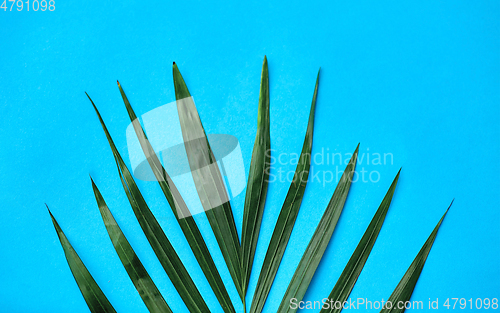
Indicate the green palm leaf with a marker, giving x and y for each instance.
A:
(93, 295)
(214, 198)
(208, 180)
(258, 179)
(286, 218)
(319, 241)
(181, 212)
(405, 288)
(158, 240)
(351, 272)
(145, 286)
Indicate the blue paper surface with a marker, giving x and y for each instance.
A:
(416, 83)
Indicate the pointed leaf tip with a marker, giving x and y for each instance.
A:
(395, 181)
(449, 207)
(54, 221)
(93, 104)
(49, 210)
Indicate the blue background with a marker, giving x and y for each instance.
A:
(419, 80)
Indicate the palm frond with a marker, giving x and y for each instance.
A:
(215, 201)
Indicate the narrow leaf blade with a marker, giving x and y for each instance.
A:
(351, 272)
(145, 286)
(93, 295)
(319, 241)
(181, 212)
(208, 180)
(162, 247)
(258, 179)
(286, 218)
(405, 288)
